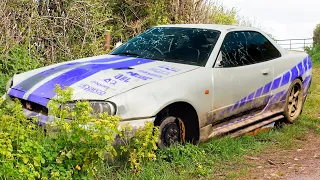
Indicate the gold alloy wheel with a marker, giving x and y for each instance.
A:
(294, 101)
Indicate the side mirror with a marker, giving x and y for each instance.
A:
(219, 60)
(118, 44)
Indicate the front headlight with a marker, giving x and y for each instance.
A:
(98, 107)
(9, 84)
(101, 107)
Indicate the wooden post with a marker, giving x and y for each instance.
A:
(107, 41)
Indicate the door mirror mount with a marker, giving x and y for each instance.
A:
(118, 44)
(219, 60)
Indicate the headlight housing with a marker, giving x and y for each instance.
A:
(9, 84)
(97, 107)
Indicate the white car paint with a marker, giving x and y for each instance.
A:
(142, 92)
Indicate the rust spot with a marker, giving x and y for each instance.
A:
(259, 130)
(28, 106)
(206, 92)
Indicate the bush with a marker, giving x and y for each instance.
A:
(314, 52)
(3, 81)
(67, 149)
(142, 146)
(65, 30)
(17, 60)
(36, 33)
(316, 35)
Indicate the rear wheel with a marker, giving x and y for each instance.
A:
(172, 131)
(294, 101)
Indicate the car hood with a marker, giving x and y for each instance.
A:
(95, 78)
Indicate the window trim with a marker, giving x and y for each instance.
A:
(214, 64)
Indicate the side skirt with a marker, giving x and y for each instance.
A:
(241, 125)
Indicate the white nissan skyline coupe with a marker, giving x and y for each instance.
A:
(193, 81)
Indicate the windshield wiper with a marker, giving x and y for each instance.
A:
(168, 59)
(127, 54)
(176, 60)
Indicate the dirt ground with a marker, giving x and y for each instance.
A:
(296, 164)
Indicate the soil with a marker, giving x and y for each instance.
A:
(295, 164)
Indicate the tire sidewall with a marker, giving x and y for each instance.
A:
(164, 123)
(286, 114)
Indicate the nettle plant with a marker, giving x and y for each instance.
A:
(21, 150)
(66, 148)
(141, 147)
(86, 139)
(90, 138)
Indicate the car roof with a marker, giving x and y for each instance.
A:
(225, 29)
(211, 26)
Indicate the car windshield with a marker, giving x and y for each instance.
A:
(179, 45)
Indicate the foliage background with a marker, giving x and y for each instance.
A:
(316, 35)
(35, 33)
(314, 51)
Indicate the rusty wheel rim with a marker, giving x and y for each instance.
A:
(294, 100)
(171, 134)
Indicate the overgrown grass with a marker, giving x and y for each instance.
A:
(224, 157)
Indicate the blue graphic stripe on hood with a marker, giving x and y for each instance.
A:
(76, 75)
(33, 80)
(16, 93)
(39, 100)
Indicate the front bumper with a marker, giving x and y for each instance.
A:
(43, 120)
(135, 124)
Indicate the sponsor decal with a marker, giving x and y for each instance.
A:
(137, 75)
(75, 75)
(150, 74)
(169, 68)
(122, 77)
(101, 85)
(159, 71)
(110, 81)
(91, 89)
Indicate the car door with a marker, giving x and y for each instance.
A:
(242, 77)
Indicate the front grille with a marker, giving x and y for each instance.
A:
(31, 106)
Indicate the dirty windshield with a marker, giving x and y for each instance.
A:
(179, 45)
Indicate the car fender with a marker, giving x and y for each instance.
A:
(148, 100)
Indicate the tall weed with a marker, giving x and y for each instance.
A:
(66, 149)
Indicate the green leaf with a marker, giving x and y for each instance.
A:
(69, 154)
(25, 159)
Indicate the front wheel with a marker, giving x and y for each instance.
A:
(172, 131)
(294, 101)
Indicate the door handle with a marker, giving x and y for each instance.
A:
(265, 71)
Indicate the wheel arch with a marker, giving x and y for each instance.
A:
(300, 77)
(187, 113)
